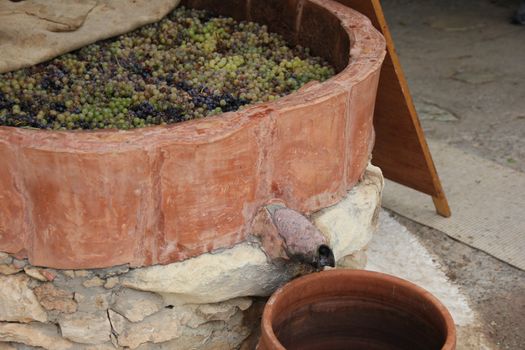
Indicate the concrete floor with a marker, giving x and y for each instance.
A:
(396, 250)
(495, 290)
(465, 59)
(465, 64)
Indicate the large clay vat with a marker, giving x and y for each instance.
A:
(167, 193)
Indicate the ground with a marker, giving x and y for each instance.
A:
(465, 64)
(465, 57)
(494, 288)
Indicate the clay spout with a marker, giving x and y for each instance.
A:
(295, 236)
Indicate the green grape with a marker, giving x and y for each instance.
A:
(189, 65)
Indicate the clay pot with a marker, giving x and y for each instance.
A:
(353, 309)
(158, 195)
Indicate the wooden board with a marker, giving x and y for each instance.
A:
(401, 150)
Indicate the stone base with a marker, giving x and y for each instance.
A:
(206, 302)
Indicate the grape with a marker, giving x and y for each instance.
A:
(189, 65)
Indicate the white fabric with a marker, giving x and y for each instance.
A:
(35, 31)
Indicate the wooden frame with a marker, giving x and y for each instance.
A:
(401, 150)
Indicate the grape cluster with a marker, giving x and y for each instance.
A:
(189, 65)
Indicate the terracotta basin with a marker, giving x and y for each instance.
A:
(352, 309)
(168, 193)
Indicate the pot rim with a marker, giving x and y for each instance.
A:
(268, 334)
(367, 51)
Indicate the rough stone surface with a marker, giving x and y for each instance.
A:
(34, 334)
(163, 326)
(79, 297)
(17, 302)
(90, 299)
(102, 302)
(50, 275)
(212, 278)
(306, 149)
(86, 328)
(223, 311)
(69, 273)
(94, 282)
(82, 273)
(111, 282)
(349, 225)
(190, 328)
(214, 336)
(9, 269)
(53, 298)
(5, 258)
(194, 340)
(356, 260)
(111, 271)
(35, 273)
(19, 263)
(135, 305)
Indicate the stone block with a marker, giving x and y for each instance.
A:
(349, 224)
(53, 298)
(211, 278)
(136, 305)
(18, 302)
(86, 328)
(34, 334)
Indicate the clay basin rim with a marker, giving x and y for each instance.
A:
(353, 292)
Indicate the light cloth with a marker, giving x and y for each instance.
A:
(35, 31)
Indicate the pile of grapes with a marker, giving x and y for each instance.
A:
(189, 65)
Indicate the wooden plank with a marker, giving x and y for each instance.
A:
(401, 150)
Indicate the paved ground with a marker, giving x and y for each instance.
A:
(397, 251)
(466, 68)
(465, 58)
(496, 290)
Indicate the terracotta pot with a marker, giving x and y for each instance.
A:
(353, 309)
(93, 199)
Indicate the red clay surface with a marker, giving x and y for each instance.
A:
(164, 194)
